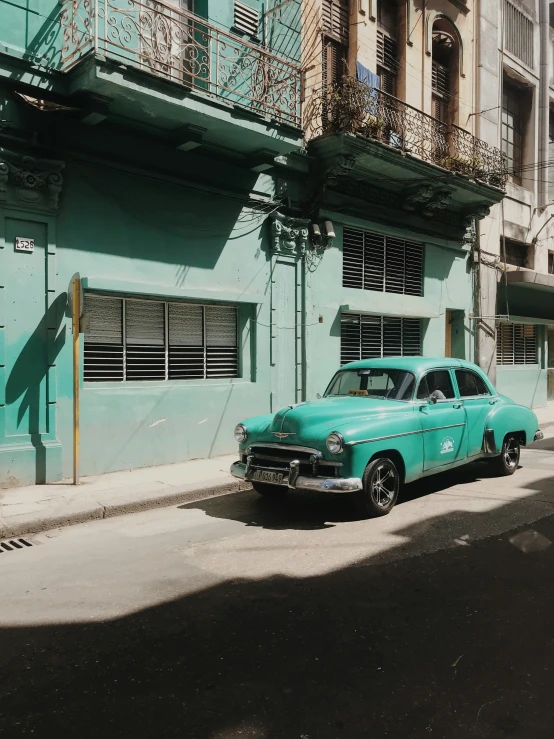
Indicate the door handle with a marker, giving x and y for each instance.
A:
(492, 402)
(457, 405)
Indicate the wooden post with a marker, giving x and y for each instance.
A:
(76, 304)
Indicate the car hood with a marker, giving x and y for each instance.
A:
(315, 419)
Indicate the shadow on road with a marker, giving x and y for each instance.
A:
(312, 511)
(457, 645)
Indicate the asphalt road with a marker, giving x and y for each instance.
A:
(239, 618)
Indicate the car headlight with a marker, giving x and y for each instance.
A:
(335, 443)
(241, 434)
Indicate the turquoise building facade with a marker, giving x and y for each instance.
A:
(229, 263)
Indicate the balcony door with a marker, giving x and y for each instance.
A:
(168, 46)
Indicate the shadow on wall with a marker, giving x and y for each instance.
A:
(29, 373)
(155, 223)
(453, 644)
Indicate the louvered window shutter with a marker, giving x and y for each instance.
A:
(369, 337)
(387, 62)
(186, 341)
(333, 67)
(376, 262)
(335, 18)
(221, 342)
(144, 340)
(138, 340)
(103, 344)
(247, 19)
(516, 344)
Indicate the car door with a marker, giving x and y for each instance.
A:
(443, 420)
(478, 402)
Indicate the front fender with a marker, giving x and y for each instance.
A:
(402, 435)
(505, 419)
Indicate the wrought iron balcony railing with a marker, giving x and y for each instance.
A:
(177, 45)
(351, 106)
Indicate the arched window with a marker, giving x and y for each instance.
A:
(445, 71)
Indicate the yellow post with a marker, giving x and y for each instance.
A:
(76, 304)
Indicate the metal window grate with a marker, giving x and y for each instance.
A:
(516, 343)
(247, 19)
(367, 337)
(373, 261)
(151, 340)
(518, 33)
(335, 18)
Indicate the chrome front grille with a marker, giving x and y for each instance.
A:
(278, 457)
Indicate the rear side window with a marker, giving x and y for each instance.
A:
(470, 384)
(436, 384)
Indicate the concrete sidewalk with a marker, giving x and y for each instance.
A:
(26, 510)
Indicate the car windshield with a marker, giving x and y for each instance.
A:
(392, 384)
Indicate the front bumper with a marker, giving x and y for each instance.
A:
(319, 484)
(538, 436)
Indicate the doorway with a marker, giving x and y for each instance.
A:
(454, 334)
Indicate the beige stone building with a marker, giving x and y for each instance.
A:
(459, 80)
(515, 85)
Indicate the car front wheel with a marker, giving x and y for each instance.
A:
(381, 483)
(508, 461)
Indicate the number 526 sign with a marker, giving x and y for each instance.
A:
(22, 244)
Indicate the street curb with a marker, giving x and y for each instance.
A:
(98, 511)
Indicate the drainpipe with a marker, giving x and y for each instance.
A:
(544, 25)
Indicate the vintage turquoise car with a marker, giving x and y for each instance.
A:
(382, 423)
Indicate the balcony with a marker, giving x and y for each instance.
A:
(353, 107)
(200, 60)
(374, 147)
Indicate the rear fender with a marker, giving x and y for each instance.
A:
(504, 420)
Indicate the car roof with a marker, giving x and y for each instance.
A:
(417, 365)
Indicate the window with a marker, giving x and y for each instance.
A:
(516, 253)
(551, 147)
(512, 130)
(392, 384)
(372, 261)
(443, 80)
(246, 19)
(436, 384)
(387, 49)
(335, 19)
(518, 33)
(516, 343)
(365, 337)
(333, 66)
(551, 262)
(470, 384)
(441, 92)
(133, 339)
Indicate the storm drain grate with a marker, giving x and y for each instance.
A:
(12, 545)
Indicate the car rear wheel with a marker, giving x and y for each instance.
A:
(508, 460)
(269, 491)
(381, 483)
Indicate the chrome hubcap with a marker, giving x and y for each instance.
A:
(511, 453)
(383, 486)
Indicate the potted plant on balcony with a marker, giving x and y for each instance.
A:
(352, 108)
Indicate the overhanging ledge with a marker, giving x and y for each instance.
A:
(529, 278)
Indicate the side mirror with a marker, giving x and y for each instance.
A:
(432, 401)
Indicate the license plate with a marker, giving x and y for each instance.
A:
(264, 476)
